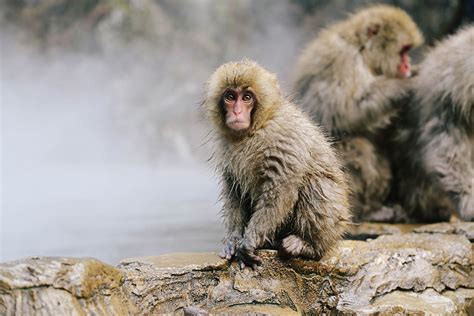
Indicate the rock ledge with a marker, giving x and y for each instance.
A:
(425, 273)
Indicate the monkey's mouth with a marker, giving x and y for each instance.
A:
(404, 68)
(238, 125)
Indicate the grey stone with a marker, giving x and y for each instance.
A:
(363, 231)
(61, 286)
(459, 228)
(403, 274)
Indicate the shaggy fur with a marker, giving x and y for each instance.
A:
(435, 146)
(346, 80)
(282, 184)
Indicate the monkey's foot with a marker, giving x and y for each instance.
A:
(467, 208)
(294, 246)
(388, 214)
(246, 256)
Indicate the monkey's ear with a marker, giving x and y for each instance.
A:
(373, 30)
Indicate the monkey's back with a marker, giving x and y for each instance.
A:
(329, 76)
(447, 74)
(443, 96)
(436, 139)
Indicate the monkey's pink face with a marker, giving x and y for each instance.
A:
(238, 105)
(404, 68)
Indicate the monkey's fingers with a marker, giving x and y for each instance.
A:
(222, 254)
(242, 265)
(225, 255)
(249, 259)
(228, 252)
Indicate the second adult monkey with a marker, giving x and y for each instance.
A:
(349, 79)
(282, 184)
(434, 148)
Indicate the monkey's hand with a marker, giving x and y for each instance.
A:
(230, 247)
(246, 256)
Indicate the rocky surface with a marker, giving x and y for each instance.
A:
(62, 286)
(363, 231)
(427, 272)
(460, 228)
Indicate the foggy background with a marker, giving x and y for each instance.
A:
(103, 147)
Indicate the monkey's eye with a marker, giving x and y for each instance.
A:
(229, 96)
(247, 97)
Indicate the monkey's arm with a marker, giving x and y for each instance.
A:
(376, 105)
(233, 213)
(272, 208)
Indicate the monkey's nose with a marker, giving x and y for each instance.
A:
(237, 109)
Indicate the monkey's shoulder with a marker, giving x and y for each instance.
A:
(329, 51)
(290, 122)
(331, 76)
(448, 71)
(295, 134)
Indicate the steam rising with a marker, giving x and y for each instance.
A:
(101, 146)
(101, 135)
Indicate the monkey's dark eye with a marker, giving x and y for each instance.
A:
(229, 96)
(247, 97)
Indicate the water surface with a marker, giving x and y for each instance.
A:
(110, 212)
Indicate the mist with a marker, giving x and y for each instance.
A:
(103, 145)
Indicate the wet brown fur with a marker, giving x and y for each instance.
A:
(282, 184)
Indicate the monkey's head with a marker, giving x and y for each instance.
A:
(241, 98)
(385, 34)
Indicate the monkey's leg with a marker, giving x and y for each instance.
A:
(295, 246)
(321, 216)
(271, 210)
(388, 214)
(369, 172)
(466, 205)
(235, 216)
(448, 158)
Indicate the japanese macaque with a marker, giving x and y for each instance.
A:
(282, 184)
(434, 155)
(351, 80)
